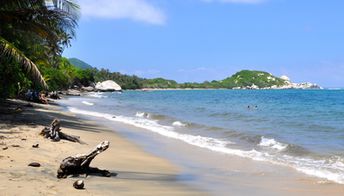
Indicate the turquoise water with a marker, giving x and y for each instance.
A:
(303, 129)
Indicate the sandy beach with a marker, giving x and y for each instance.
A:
(139, 173)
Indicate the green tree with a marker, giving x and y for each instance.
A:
(33, 34)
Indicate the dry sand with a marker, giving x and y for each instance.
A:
(139, 173)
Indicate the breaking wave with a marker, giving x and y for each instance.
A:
(271, 143)
(87, 103)
(327, 168)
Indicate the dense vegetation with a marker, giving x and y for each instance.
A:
(33, 34)
(84, 77)
(79, 63)
(242, 79)
(247, 78)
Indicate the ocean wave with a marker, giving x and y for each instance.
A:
(271, 143)
(330, 169)
(97, 95)
(142, 114)
(87, 103)
(179, 124)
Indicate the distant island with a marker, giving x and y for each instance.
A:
(245, 79)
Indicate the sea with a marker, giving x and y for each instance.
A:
(298, 129)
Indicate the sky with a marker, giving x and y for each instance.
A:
(198, 40)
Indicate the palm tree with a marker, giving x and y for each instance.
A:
(35, 29)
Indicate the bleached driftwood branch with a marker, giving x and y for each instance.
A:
(54, 132)
(80, 164)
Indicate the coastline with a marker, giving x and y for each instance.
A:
(218, 173)
(139, 173)
(143, 169)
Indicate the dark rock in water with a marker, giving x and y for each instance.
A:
(35, 146)
(79, 184)
(34, 164)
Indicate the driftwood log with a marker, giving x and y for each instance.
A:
(54, 132)
(80, 164)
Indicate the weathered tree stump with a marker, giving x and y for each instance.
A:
(54, 132)
(80, 164)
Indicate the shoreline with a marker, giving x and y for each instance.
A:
(139, 173)
(233, 172)
(143, 168)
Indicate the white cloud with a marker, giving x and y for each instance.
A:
(237, 1)
(137, 10)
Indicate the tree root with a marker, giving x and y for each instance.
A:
(80, 164)
(54, 133)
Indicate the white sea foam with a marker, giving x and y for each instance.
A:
(87, 103)
(142, 114)
(179, 124)
(97, 94)
(332, 170)
(271, 143)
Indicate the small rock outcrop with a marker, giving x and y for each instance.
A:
(87, 88)
(291, 85)
(108, 85)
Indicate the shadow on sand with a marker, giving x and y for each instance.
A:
(12, 118)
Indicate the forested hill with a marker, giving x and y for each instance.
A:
(241, 79)
(79, 63)
(248, 78)
(87, 75)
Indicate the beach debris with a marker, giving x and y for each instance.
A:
(73, 92)
(34, 164)
(79, 184)
(54, 133)
(54, 95)
(80, 163)
(35, 146)
(18, 109)
(5, 148)
(23, 139)
(15, 145)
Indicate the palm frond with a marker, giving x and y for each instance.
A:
(8, 50)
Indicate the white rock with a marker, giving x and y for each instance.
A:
(108, 85)
(284, 77)
(87, 88)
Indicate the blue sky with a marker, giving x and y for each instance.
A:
(197, 40)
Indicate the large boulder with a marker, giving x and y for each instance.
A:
(108, 85)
